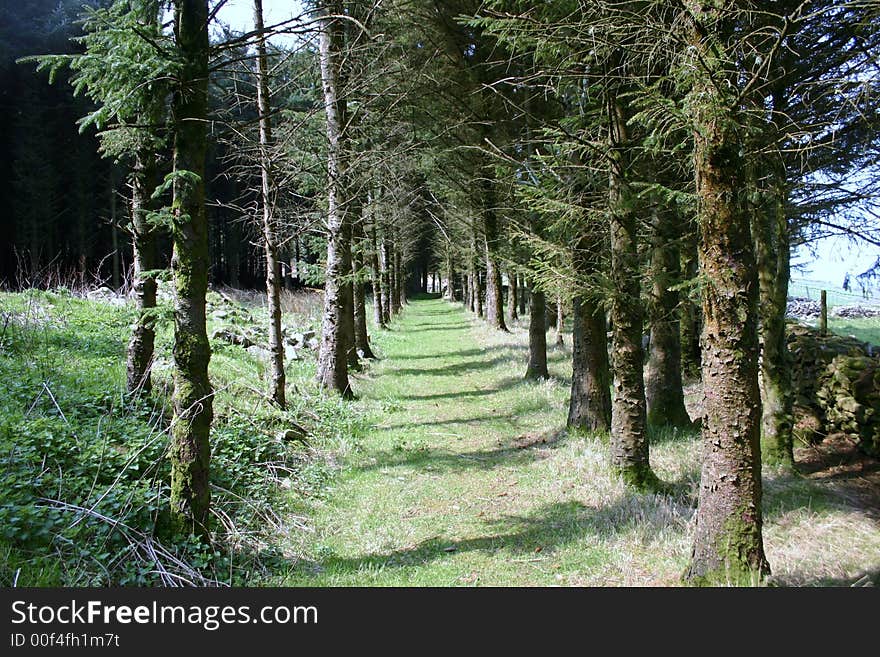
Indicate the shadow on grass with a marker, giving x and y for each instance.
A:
(502, 385)
(464, 353)
(453, 369)
(550, 527)
(517, 453)
(786, 492)
(436, 328)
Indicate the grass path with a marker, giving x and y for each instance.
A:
(466, 479)
(462, 480)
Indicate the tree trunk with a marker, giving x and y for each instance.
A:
(728, 545)
(537, 368)
(512, 291)
(450, 276)
(114, 234)
(590, 404)
(144, 178)
(629, 425)
(347, 289)
(376, 278)
(560, 321)
(773, 253)
(193, 396)
(399, 280)
(494, 297)
(691, 317)
(270, 239)
(332, 371)
(385, 277)
(663, 383)
(361, 337)
(523, 293)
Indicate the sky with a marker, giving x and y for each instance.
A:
(240, 13)
(834, 257)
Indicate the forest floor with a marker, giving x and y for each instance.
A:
(467, 479)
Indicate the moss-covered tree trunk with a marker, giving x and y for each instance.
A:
(144, 178)
(537, 367)
(728, 545)
(332, 371)
(772, 251)
(270, 236)
(193, 396)
(663, 381)
(629, 427)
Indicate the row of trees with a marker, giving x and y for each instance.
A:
(642, 166)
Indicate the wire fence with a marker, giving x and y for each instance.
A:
(804, 288)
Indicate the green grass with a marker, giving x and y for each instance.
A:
(85, 472)
(866, 329)
(448, 470)
(468, 479)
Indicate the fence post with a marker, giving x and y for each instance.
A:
(823, 318)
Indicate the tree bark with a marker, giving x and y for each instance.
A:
(512, 291)
(560, 321)
(773, 253)
(332, 371)
(399, 279)
(590, 404)
(537, 368)
(193, 396)
(494, 297)
(691, 317)
(270, 238)
(141, 344)
(663, 383)
(629, 426)
(728, 545)
(523, 293)
(376, 278)
(361, 337)
(772, 250)
(385, 278)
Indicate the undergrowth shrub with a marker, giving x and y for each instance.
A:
(84, 483)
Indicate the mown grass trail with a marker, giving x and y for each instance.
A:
(467, 479)
(464, 479)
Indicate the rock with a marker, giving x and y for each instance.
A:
(291, 353)
(260, 353)
(294, 434)
(308, 335)
(228, 336)
(849, 398)
(313, 344)
(801, 308)
(105, 295)
(220, 314)
(856, 311)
